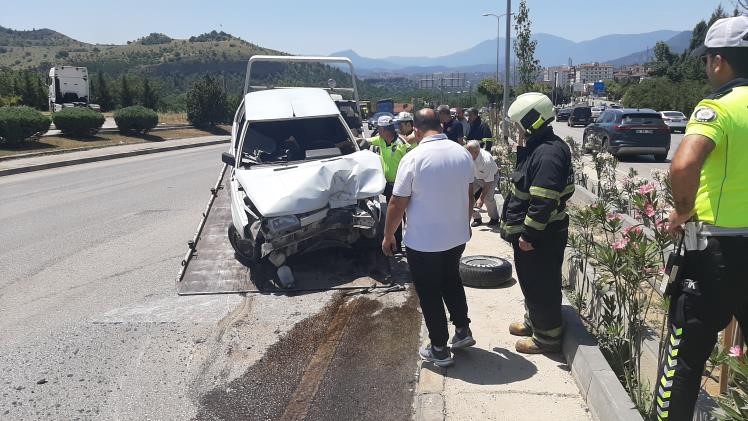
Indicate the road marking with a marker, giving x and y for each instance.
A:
(315, 371)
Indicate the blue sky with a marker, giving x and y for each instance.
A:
(371, 28)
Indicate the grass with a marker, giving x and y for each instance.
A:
(56, 144)
(172, 118)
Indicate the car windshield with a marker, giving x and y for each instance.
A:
(644, 119)
(291, 140)
(675, 114)
(582, 112)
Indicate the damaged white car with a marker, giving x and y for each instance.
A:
(299, 181)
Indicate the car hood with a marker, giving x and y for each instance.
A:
(308, 186)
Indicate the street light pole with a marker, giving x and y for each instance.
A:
(498, 47)
(505, 125)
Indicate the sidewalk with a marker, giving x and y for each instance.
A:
(491, 381)
(36, 163)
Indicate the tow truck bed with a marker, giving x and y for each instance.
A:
(211, 267)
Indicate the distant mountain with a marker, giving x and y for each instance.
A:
(677, 44)
(551, 50)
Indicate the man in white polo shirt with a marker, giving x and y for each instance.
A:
(433, 184)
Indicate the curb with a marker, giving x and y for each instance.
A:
(599, 386)
(39, 167)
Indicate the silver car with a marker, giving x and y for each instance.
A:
(676, 120)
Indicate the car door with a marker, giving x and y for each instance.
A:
(594, 132)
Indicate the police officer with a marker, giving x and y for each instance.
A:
(710, 189)
(534, 220)
(391, 149)
(405, 127)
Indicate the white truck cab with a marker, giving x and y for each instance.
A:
(69, 87)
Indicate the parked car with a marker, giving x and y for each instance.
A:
(676, 120)
(580, 116)
(628, 131)
(563, 114)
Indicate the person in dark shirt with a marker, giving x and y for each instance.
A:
(479, 130)
(451, 127)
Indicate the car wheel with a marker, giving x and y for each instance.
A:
(660, 157)
(247, 256)
(484, 271)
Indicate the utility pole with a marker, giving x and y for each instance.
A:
(505, 125)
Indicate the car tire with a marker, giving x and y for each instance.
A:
(234, 240)
(660, 157)
(484, 271)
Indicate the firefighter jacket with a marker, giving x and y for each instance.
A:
(542, 182)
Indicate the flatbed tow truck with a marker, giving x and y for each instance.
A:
(212, 264)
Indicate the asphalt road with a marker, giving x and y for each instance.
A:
(642, 164)
(92, 328)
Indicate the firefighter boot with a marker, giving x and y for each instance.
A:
(520, 329)
(530, 346)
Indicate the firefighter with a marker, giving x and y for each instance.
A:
(534, 220)
(710, 189)
(391, 149)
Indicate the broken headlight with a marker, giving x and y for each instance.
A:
(282, 223)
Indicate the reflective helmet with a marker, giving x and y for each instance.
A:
(385, 121)
(532, 111)
(404, 116)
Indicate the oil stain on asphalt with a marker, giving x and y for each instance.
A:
(356, 359)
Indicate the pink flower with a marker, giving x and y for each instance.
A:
(620, 244)
(636, 229)
(647, 188)
(649, 210)
(615, 217)
(736, 351)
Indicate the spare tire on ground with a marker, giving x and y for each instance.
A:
(485, 271)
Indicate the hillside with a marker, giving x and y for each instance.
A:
(677, 45)
(42, 48)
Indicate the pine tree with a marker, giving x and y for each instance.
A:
(207, 104)
(149, 98)
(103, 96)
(524, 47)
(126, 97)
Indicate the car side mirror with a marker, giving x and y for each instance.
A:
(228, 159)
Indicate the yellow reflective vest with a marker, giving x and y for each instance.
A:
(722, 198)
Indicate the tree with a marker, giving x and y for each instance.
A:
(32, 91)
(207, 104)
(524, 47)
(150, 96)
(103, 97)
(126, 96)
(491, 90)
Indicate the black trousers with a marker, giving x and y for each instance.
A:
(436, 277)
(539, 275)
(399, 232)
(713, 289)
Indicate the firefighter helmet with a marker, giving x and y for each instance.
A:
(532, 111)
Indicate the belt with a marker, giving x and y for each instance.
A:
(697, 234)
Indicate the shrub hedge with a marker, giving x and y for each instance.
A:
(78, 121)
(135, 119)
(20, 123)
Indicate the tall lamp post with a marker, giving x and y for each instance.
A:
(505, 100)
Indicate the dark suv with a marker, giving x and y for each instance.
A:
(580, 116)
(629, 131)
